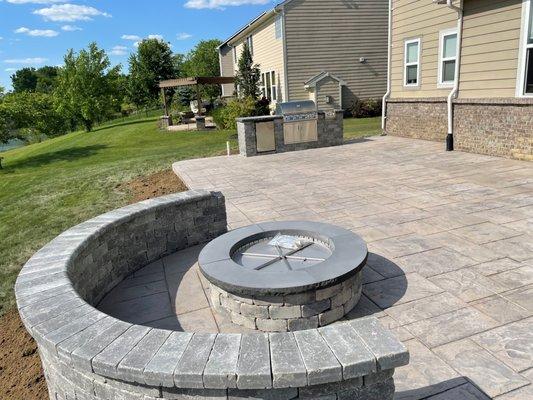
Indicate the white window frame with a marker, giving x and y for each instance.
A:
(406, 64)
(250, 41)
(442, 59)
(235, 58)
(273, 88)
(527, 9)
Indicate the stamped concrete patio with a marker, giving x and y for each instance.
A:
(451, 236)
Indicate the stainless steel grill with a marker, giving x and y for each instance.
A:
(300, 121)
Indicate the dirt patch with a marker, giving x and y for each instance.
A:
(21, 375)
(155, 185)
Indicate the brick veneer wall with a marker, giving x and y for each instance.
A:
(498, 127)
(417, 118)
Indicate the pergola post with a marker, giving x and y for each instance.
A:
(199, 99)
(164, 101)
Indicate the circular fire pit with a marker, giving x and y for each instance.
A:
(285, 276)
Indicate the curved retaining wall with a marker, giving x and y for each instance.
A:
(87, 354)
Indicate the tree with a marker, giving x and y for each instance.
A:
(24, 80)
(87, 86)
(46, 79)
(152, 63)
(203, 61)
(248, 75)
(29, 116)
(2, 92)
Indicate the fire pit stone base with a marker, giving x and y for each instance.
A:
(288, 313)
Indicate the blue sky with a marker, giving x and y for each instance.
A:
(39, 32)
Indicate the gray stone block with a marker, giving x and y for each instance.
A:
(271, 325)
(131, 368)
(268, 394)
(284, 312)
(390, 353)
(301, 324)
(251, 310)
(310, 310)
(221, 369)
(321, 364)
(192, 394)
(188, 373)
(288, 369)
(253, 368)
(382, 376)
(350, 350)
(160, 369)
(106, 362)
(331, 316)
(239, 319)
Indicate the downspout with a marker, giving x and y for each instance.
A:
(389, 65)
(455, 90)
(285, 66)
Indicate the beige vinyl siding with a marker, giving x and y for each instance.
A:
(422, 19)
(226, 68)
(331, 36)
(491, 40)
(267, 51)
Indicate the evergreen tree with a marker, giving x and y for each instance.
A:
(248, 75)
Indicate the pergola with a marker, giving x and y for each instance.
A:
(193, 81)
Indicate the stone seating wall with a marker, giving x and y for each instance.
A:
(87, 354)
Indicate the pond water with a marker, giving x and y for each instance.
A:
(12, 144)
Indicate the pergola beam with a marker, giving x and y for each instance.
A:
(200, 80)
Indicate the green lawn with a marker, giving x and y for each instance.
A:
(48, 187)
(355, 128)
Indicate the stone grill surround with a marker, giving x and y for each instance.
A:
(87, 354)
(289, 313)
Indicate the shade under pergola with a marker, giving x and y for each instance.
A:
(193, 81)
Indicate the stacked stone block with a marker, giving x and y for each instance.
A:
(292, 312)
(330, 133)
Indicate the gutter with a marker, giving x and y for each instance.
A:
(455, 90)
(389, 65)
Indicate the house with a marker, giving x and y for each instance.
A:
(330, 51)
(461, 72)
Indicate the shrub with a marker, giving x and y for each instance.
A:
(226, 117)
(366, 108)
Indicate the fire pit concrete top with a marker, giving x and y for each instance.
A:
(278, 258)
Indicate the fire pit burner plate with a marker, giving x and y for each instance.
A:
(277, 258)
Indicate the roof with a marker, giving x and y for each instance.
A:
(322, 75)
(198, 80)
(256, 21)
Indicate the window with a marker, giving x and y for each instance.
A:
(235, 60)
(269, 88)
(528, 79)
(447, 57)
(412, 62)
(279, 27)
(250, 42)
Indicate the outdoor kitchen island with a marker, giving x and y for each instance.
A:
(297, 125)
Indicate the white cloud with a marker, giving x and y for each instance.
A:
(10, 69)
(220, 4)
(131, 37)
(27, 61)
(35, 1)
(158, 37)
(183, 36)
(71, 28)
(119, 51)
(69, 13)
(37, 32)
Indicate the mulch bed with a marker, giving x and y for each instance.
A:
(21, 375)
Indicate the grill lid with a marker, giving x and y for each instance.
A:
(296, 107)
